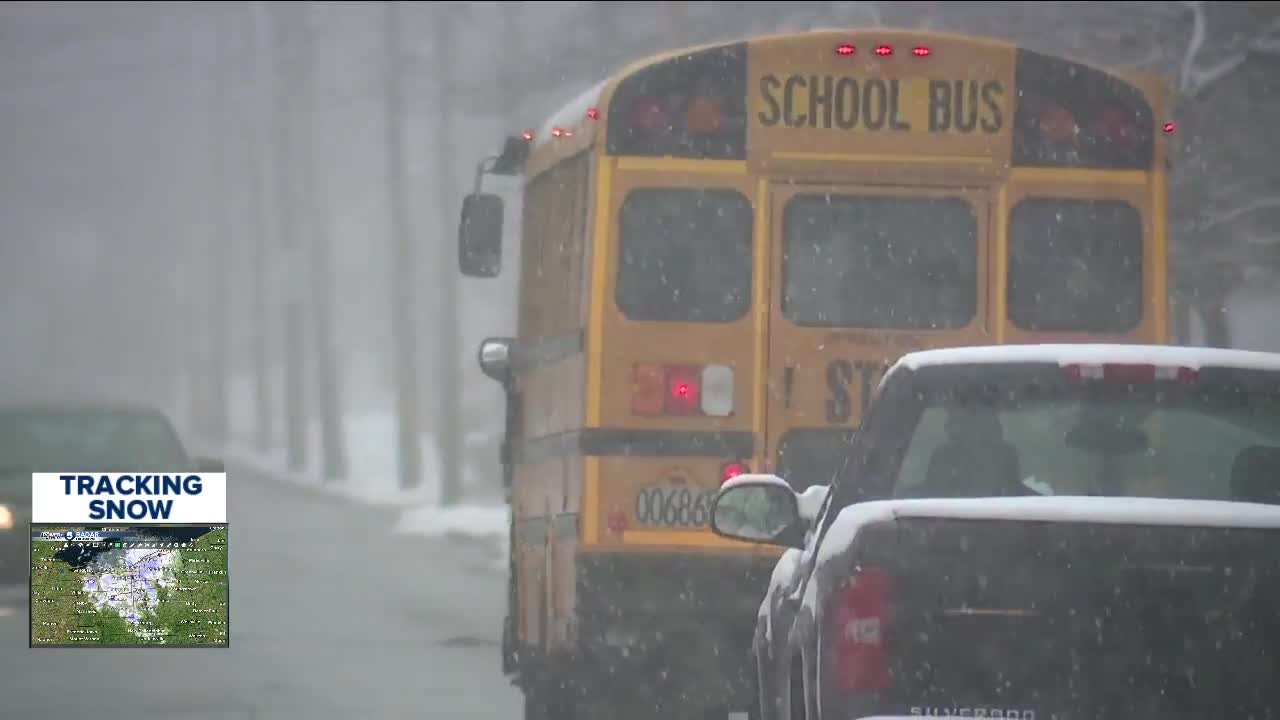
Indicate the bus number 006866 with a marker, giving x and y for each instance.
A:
(668, 506)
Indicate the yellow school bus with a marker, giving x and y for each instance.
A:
(722, 248)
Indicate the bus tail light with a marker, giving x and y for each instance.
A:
(731, 470)
(858, 629)
(884, 50)
(845, 49)
(682, 390)
(920, 51)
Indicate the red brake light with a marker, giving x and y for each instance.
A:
(732, 470)
(557, 132)
(1169, 127)
(527, 135)
(1057, 124)
(859, 629)
(647, 114)
(884, 51)
(920, 51)
(592, 113)
(845, 50)
(703, 116)
(1117, 127)
(1130, 373)
(684, 390)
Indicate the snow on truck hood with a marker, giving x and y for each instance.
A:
(1059, 508)
(1092, 354)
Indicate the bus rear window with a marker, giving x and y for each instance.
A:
(1075, 265)
(880, 262)
(685, 255)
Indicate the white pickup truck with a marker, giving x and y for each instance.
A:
(1069, 532)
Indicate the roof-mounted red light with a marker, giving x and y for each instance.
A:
(1116, 126)
(1169, 127)
(921, 51)
(845, 50)
(1057, 124)
(884, 50)
(527, 135)
(593, 113)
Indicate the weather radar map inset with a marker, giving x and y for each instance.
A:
(120, 586)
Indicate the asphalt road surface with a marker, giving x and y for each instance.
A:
(331, 617)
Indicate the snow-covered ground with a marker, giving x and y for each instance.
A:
(370, 436)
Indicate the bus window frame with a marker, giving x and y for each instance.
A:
(658, 182)
(1132, 187)
(980, 199)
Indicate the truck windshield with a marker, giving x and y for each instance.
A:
(1216, 436)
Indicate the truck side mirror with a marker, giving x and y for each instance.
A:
(480, 236)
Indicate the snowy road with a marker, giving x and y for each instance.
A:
(331, 617)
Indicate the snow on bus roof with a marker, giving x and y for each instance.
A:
(571, 114)
(1094, 354)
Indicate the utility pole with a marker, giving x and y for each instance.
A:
(403, 299)
(328, 365)
(448, 384)
(260, 319)
(294, 369)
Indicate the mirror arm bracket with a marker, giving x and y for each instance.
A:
(482, 167)
(792, 536)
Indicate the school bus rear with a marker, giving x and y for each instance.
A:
(774, 223)
(875, 193)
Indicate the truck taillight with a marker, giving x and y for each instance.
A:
(859, 629)
(1129, 372)
(682, 390)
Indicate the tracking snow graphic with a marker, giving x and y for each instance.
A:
(148, 583)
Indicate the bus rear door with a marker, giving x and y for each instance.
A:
(859, 276)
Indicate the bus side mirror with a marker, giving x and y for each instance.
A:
(495, 358)
(480, 236)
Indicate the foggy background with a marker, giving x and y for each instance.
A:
(202, 204)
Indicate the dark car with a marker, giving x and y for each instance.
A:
(1035, 532)
(75, 437)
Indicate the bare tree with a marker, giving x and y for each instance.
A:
(260, 320)
(223, 229)
(287, 60)
(403, 281)
(1211, 207)
(448, 437)
(328, 376)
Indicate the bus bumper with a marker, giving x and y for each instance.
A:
(653, 628)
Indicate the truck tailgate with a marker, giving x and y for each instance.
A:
(1079, 620)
